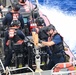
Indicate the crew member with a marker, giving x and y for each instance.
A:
(13, 15)
(41, 31)
(39, 24)
(56, 46)
(19, 33)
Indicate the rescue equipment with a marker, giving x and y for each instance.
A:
(66, 66)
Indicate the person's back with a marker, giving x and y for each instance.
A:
(39, 24)
(23, 6)
(43, 33)
(13, 14)
(22, 9)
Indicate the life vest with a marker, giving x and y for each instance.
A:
(24, 8)
(57, 47)
(64, 67)
(43, 33)
(15, 16)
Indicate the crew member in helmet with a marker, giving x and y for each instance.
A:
(13, 15)
(42, 35)
(19, 33)
(56, 46)
(40, 24)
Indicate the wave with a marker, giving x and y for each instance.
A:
(64, 23)
(69, 6)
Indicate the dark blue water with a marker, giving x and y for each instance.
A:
(68, 6)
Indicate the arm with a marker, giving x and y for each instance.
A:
(5, 20)
(22, 22)
(55, 40)
(48, 43)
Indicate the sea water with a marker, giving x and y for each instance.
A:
(62, 14)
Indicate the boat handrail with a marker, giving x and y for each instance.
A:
(63, 72)
(10, 70)
(65, 68)
(47, 18)
(2, 65)
(69, 49)
(73, 63)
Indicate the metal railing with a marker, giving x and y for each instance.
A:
(16, 69)
(2, 65)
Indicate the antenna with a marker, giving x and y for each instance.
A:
(37, 3)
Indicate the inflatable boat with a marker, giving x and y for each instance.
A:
(67, 68)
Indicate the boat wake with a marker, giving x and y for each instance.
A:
(64, 23)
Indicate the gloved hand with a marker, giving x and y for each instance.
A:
(40, 45)
(40, 41)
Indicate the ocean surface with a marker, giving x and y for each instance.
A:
(62, 14)
(67, 6)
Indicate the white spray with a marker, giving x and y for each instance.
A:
(64, 23)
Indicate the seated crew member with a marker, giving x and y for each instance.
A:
(8, 54)
(41, 31)
(32, 20)
(56, 46)
(13, 15)
(40, 24)
(24, 8)
(41, 28)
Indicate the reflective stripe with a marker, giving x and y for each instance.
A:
(26, 8)
(15, 16)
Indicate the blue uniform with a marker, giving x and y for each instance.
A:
(57, 39)
(9, 17)
(57, 55)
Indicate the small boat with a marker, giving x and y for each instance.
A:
(67, 68)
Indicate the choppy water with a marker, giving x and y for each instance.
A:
(62, 14)
(68, 6)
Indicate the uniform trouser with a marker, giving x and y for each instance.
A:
(54, 59)
(48, 50)
(8, 57)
